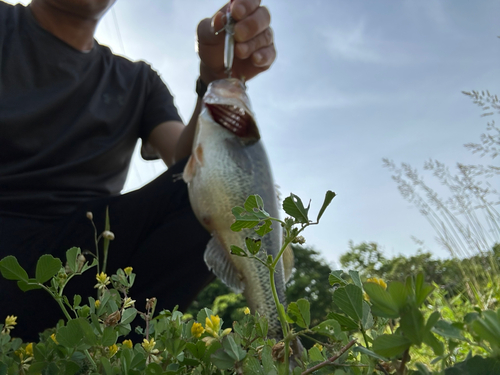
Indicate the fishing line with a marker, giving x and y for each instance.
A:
(118, 30)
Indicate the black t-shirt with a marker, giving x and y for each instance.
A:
(69, 120)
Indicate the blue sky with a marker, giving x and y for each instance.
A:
(354, 82)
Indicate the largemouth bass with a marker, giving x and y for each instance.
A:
(228, 163)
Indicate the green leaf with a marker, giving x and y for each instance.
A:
(488, 328)
(109, 336)
(328, 199)
(255, 204)
(315, 355)
(355, 278)
(203, 314)
(432, 320)
(72, 258)
(252, 366)
(107, 366)
(235, 351)
(238, 251)
(367, 321)
(422, 290)
(390, 345)
(264, 228)
(344, 321)
(350, 300)
(253, 245)
(412, 324)
(70, 336)
(382, 303)
(294, 207)
(28, 285)
(335, 277)
(128, 315)
(329, 328)
(47, 267)
(86, 266)
(244, 219)
(154, 369)
(436, 345)
(267, 360)
(76, 300)
(300, 312)
(447, 330)
(422, 369)
(363, 350)
(87, 331)
(222, 360)
(11, 269)
(399, 293)
(476, 365)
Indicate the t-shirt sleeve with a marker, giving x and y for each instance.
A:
(159, 106)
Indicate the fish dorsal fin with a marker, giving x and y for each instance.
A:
(219, 261)
(288, 262)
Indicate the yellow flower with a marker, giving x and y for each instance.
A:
(128, 344)
(246, 311)
(102, 280)
(197, 329)
(319, 346)
(128, 302)
(226, 332)
(378, 281)
(112, 350)
(212, 325)
(29, 349)
(53, 337)
(97, 303)
(366, 297)
(149, 346)
(10, 322)
(128, 270)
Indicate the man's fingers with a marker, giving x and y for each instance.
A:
(245, 49)
(264, 57)
(253, 25)
(242, 8)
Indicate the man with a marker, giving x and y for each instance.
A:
(70, 115)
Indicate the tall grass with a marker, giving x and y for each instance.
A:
(466, 219)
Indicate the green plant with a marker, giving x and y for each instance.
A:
(373, 327)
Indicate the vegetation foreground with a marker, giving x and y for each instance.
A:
(370, 326)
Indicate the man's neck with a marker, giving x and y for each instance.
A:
(71, 28)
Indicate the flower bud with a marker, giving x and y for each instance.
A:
(90, 216)
(108, 235)
(150, 303)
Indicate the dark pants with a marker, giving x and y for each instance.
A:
(156, 233)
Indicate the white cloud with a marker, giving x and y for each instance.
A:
(351, 44)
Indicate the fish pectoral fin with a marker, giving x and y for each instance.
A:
(288, 262)
(195, 159)
(219, 261)
(189, 170)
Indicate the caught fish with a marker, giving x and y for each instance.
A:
(228, 163)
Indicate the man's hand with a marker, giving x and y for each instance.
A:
(254, 44)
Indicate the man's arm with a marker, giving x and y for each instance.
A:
(172, 140)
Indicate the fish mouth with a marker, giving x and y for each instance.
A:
(234, 119)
